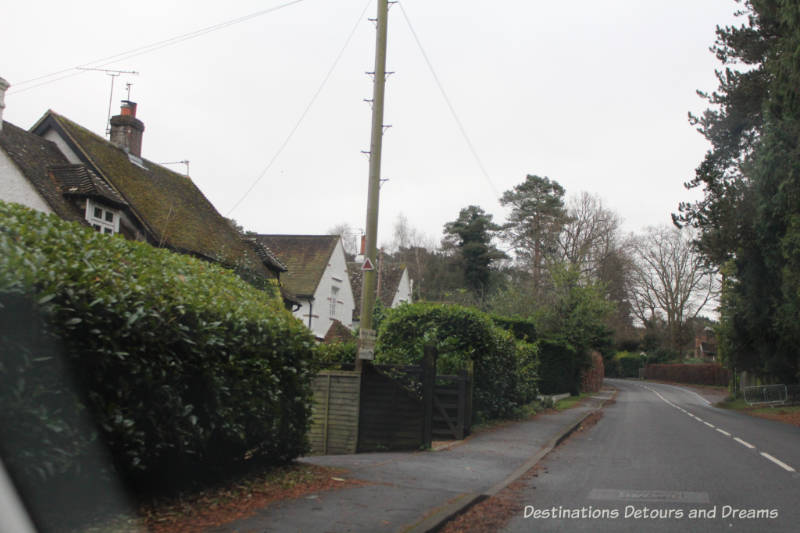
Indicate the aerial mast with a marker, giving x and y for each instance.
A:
(367, 333)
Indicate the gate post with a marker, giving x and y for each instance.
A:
(428, 383)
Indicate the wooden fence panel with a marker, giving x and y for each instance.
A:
(334, 413)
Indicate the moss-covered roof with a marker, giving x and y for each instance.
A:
(174, 210)
(34, 157)
(306, 257)
(390, 275)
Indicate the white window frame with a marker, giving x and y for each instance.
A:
(333, 300)
(101, 224)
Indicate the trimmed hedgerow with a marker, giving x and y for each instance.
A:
(527, 372)
(522, 328)
(700, 374)
(560, 367)
(461, 335)
(628, 364)
(185, 369)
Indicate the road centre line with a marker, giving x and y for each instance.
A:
(737, 439)
(778, 462)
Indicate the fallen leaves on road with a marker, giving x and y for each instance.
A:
(493, 513)
(236, 500)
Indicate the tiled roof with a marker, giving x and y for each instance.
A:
(174, 210)
(390, 276)
(306, 257)
(34, 156)
(77, 180)
(338, 332)
(267, 255)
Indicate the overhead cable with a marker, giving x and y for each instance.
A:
(449, 103)
(21, 87)
(305, 111)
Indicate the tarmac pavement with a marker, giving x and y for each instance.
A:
(418, 491)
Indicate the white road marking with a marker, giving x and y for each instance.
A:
(737, 439)
(778, 462)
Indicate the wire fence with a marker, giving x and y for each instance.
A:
(766, 394)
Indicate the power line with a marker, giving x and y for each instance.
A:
(152, 47)
(449, 104)
(305, 111)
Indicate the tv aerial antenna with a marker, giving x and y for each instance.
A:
(113, 74)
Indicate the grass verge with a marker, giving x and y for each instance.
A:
(568, 403)
(788, 414)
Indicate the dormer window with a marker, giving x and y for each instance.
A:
(102, 218)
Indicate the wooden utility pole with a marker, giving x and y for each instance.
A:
(367, 333)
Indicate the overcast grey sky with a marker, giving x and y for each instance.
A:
(592, 94)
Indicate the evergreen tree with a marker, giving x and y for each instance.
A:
(750, 215)
(535, 223)
(470, 238)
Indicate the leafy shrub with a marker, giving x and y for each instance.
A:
(335, 354)
(185, 369)
(460, 335)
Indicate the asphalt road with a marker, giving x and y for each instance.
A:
(663, 459)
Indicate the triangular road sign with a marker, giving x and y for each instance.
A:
(367, 265)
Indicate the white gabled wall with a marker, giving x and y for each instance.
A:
(403, 294)
(335, 276)
(53, 136)
(15, 187)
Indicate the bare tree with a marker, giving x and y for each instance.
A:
(671, 281)
(589, 235)
(350, 237)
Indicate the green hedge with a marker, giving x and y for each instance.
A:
(185, 369)
(628, 364)
(560, 367)
(461, 335)
(527, 371)
(523, 329)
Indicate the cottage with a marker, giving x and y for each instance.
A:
(393, 286)
(63, 168)
(317, 276)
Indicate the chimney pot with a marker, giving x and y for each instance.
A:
(128, 109)
(4, 85)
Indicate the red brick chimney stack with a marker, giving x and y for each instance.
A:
(127, 130)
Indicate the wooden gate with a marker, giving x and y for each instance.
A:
(451, 406)
(447, 400)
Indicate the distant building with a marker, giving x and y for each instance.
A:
(393, 285)
(705, 345)
(317, 276)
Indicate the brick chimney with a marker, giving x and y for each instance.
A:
(127, 130)
(4, 85)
